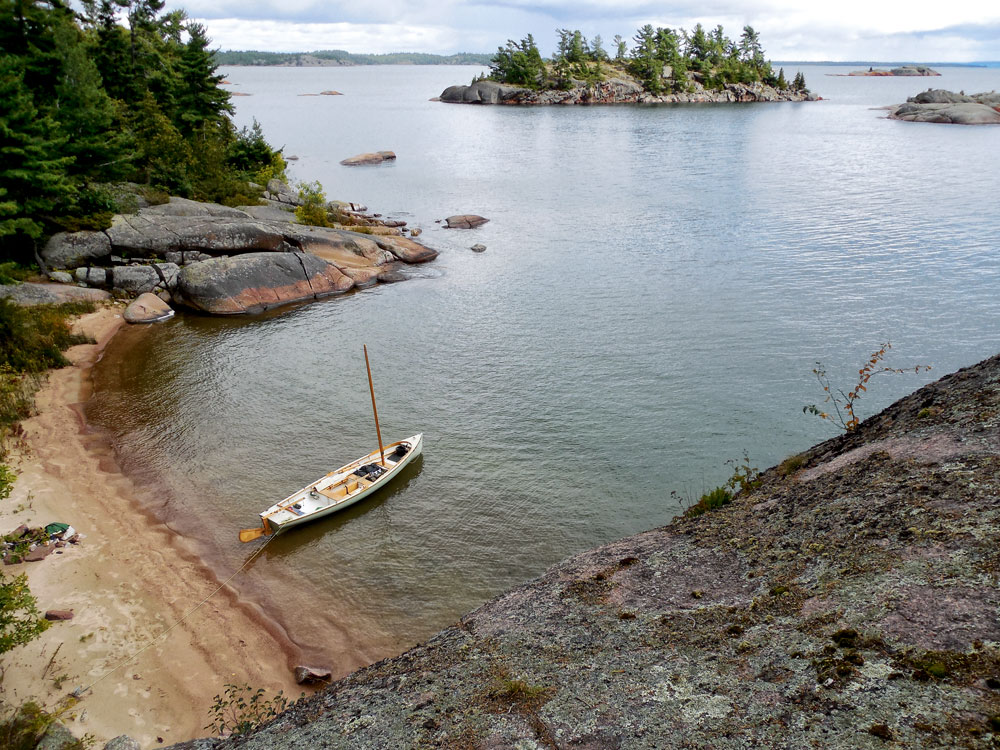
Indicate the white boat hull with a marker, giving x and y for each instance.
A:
(340, 489)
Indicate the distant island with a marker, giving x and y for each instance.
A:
(338, 57)
(662, 66)
(902, 70)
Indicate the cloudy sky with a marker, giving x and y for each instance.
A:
(949, 31)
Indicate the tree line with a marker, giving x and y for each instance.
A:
(115, 91)
(342, 57)
(663, 60)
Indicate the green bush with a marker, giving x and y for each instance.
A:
(313, 208)
(710, 501)
(243, 709)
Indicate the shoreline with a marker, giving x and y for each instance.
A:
(129, 579)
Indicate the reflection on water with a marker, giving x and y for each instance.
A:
(658, 284)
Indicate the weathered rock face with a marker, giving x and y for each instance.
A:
(257, 281)
(938, 105)
(849, 600)
(615, 91)
(30, 293)
(73, 249)
(147, 308)
(465, 221)
(376, 157)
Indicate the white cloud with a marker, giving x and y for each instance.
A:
(790, 29)
(287, 36)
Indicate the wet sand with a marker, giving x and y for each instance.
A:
(128, 580)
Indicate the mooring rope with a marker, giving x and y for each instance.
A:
(81, 691)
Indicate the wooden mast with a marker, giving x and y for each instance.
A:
(381, 450)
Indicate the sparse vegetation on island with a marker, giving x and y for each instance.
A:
(662, 60)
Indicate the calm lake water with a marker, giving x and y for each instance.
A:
(658, 284)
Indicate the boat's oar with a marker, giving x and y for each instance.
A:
(248, 535)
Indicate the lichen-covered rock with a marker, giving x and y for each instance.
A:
(73, 249)
(849, 599)
(122, 742)
(135, 279)
(257, 281)
(186, 207)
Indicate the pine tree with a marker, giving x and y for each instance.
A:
(33, 176)
(781, 83)
(199, 100)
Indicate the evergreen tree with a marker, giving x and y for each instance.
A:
(597, 52)
(621, 48)
(645, 64)
(749, 47)
(85, 114)
(781, 83)
(519, 63)
(33, 179)
(200, 100)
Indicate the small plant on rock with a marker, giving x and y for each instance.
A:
(243, 709)
(843, 414)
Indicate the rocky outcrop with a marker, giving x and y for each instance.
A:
(376, 157)
(616, 91)
(258, 281)
(147, 308)
(850, 600)
(464, 221)
(938, 105)
(127, 256)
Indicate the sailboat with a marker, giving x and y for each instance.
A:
(342, 487)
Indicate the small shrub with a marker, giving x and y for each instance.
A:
(791, 465)
(20, 621)
(7, 478)
(519, 691)
(844, 415)
(243, 709)
(313, 208)
(710, 501)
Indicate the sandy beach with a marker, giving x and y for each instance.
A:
(127, 581)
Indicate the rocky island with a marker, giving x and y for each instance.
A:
(666, 66)
(938, 105)
(902, 70)
(848, 599)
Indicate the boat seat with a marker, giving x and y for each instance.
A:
(335, 493)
